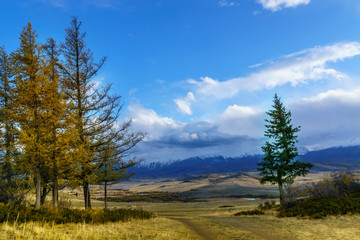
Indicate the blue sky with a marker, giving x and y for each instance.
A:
(199, 75)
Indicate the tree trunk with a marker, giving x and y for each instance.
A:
(38, 189)
(89, 199)
(43, 196)
(8, 167)
(281, 191)
(86, 187)
(55, 194)
(105, 191)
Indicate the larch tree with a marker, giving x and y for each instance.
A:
(114, 157)
(279, 165)
(11, 187)
(60, 123)
(96, 110)
(31, 98)
(7, 124)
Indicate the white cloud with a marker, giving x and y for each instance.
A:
(225, 3)
(329, 119)
(301, 67)
(241, 120)
(149, 121)
(184, 104)
(241, 111)
(171, 140)
(276, 5)
(339, 95)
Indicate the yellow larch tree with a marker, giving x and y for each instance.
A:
(60, 122)
(32, 104)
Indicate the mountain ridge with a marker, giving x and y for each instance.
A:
(330, 159)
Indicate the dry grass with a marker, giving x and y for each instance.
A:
(272, 227)
(226, 184)
(209, 215)
(159, 228)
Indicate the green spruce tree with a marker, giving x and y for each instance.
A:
(279, 165)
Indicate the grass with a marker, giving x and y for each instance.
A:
(220, 221)
(216, 215)
(272, 227)
(12, 213)
(148, 197)
(159, 228)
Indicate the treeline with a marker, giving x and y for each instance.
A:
(59, 128)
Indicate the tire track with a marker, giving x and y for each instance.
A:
(199, 229)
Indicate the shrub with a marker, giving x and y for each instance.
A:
(226, 206)
(250, 212)
(13, 192)
(335, 194)
(267, 205)
(322, 207)
(335, 185)
(262, 207)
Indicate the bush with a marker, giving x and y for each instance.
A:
(267, 205)
(13, 192)
(335, 185)
(335, 194)
(250, 212)
(226, 206)
(322, 207)
(20, 213)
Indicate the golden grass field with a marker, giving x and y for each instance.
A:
(194, 220)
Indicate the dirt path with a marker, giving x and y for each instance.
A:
(199, 229)
(256, 231)
(249, 225)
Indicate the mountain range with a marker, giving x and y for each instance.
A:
(330, 159)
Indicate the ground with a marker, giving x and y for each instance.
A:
(210, 219)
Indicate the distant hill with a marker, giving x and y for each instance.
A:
(331, 159)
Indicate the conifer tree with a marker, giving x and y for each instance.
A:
(31, 101)
(12, 186)
(96, 110)
(8, 151)
(60, 123)
(279, 165)
(113, 158)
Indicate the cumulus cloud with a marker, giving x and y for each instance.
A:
(241, 120)
(171, 140)
(149, 121)
(328, 119)
(184, 104)
(198, 139)
(276, 5)
(301, 67)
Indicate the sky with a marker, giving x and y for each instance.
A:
(198, 76)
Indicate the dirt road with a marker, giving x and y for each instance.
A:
(199, 229)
